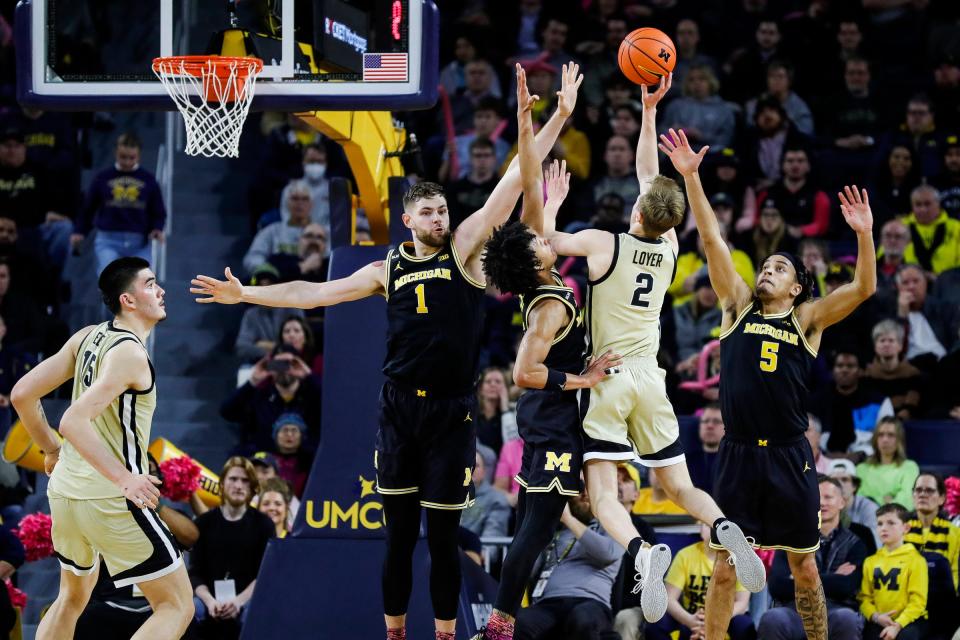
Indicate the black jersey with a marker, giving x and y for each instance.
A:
(434, 320)
(567, 349)
(765, 364)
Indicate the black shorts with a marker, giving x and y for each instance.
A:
(426, 445)
(549, 423)
(771, 492)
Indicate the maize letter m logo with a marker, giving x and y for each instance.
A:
(890, 579)
(561, 462)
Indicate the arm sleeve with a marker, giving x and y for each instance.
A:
(841, 588)
(917, 589)
(600, 550)
(821, 216)
(867, 606)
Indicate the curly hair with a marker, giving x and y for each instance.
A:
(509, 261)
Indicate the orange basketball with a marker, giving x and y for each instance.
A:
(645, 55)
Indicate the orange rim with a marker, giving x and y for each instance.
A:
(196, 65)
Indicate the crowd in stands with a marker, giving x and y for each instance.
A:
(794, 98)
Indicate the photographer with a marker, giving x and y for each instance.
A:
(281, 383)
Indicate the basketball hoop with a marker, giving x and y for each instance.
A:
(213, 94)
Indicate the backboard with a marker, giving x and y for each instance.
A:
(318, 54)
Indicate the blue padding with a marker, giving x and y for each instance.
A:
(934, 442)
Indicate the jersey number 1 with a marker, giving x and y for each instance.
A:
(421, 299)
(768, 355)
(644, 286)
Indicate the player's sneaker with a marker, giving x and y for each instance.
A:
(651, 565)
(750, 570)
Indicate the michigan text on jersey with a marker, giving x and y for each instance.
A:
(763, 329)
(427, 274)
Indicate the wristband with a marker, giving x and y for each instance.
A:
(556, 380)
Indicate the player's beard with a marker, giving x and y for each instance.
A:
(427, 238)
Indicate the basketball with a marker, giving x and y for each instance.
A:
(645, 55)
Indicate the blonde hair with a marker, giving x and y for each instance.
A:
(662, 205)
(247, 466)
(712, 81)
(900, 455)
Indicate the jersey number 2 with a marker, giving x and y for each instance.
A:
(644, 286)
(421, 299)
(768, 355)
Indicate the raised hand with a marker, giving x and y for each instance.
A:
(525, 101)
(570, 81)
(229, 291)
(650, 100)
(681, 154)
(856, 209)
(558, 182)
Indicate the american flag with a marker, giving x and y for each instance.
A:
(384, 67)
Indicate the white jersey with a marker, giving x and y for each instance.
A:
(623, 305)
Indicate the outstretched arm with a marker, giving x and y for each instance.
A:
(545, 321)
(530, 172)
(476, 229)
(298, 294)
(582, 243)
(732, 291)
(647, 163)
(822, 313)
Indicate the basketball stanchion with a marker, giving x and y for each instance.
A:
(213, 94)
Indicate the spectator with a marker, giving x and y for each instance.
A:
(34, 203)
(479, 84)
(496, 423)
(859, 513)
(697, 323)
(770, 235)
(554, 36)
(705, 117)
(42, 286)
(470, 193)
(508, 466)
(14, 363)
(487, 121)
(260, 325)
(767, 141)
(702, 460)
(277, 385)
(840, 563)
(894, 238)
(625, 122)
(12, 556)
(292, 458)
(609, 215)
(931, 324)
(453, 77)
(805, 208)
(51, 141)
(731, 190)
(747, 67)
(919, 133)
(573, 595)
(688, 54)
(847, 410)
(274, 502)
(654, 500)
(813, 433)
(691, 265)
(296, 333)
(24, 323)
(233, 539)
(815, 255)
(620, 176)
(779, 88)
(890, 375)
(946, 91)
(887, 475)
(894, 590)
(934, 236)
(948, 182)
(896, 180)
(282, 236)
(125, 206)
(686, 583)
(265, 465)
(603, 63)
(929, 531)
(311, 261)
(489, 515)
(315, 176)
(282, 161)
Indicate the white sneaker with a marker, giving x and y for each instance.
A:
(651, 565)
(750, 570)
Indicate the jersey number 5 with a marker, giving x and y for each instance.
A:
(768, 355)
(644, 286)
(421, 299)
(89, 358)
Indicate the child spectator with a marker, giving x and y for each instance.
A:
(887, 476)
(893, 596)
(687, 582)
(293, 460)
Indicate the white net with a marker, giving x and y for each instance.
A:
(213, 94)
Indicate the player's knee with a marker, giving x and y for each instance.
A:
(72, 601)
(804, 568)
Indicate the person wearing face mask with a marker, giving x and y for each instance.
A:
(125, 205)
(315, 175)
